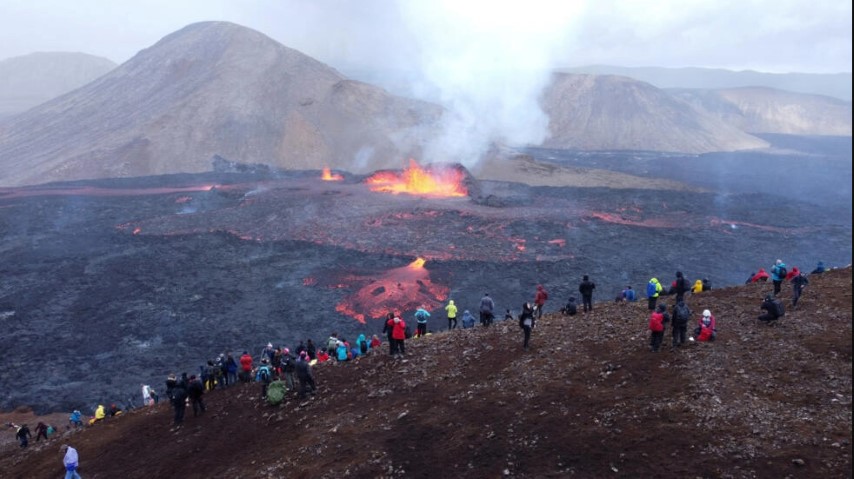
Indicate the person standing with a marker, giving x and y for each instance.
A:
(540, 300)
(681, 287)
(23, 436)
(41, 431)
(305, 376)
(799, 282)
(526, 322)
(681, 316)
(398, 334)
(451, 308)
(486, 309)
(586, 289)
(657, 320)
(245, 367)
(421, 317)
(196, 390)
(146, 395)
(71, 461)
(778, 274)
(388, 329)
(653, 290)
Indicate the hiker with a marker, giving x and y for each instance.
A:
(540, 298)
(799, 282)
(706, 329)
(300, 348)
(306, 378)
(362, 344)
(176, 391)
(761, 275)
(322, 356)
(819, 268)
(398, 335)
(245, 367)
(114, 410)
(698, 286)
(468, 320)
(264, 375)
(23, 435)
(231, 369)
(146, 395)
(681, 286)
(100, 414)
(791, 274)
(341, 351)
(586, 288)
(707, 285)
(778, 274)
(657, 321)
(388, 330)
(773, 309)
(629, 294)
(267, 352)
(213, 376)
(375, 342)
(289, 369)
(332, 344)
(508, 316)
(653, 290)
(41, 431)
(526, 322)
(421, 317)
(451, 308)
(70, 461)
(486, 308)
(570, 309)
(75, 419)
(750, 277)
(195, 390)
(310, 350)
(681, 316)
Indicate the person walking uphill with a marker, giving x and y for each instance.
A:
(540, 299)
(451, 308)
(526, 322)
(799, 282)
(421, 317)
(586, 289)
(71, 461)
(778, 274)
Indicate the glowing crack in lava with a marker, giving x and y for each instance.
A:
(329, 176)
(399, 289)
(418, 181)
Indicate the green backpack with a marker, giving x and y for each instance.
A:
(276, 392)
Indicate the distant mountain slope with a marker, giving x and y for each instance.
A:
(766, 110)
(837, 85)
(603, 112)
(29, 80)
(211, 88)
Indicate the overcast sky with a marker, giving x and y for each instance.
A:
(763, 35)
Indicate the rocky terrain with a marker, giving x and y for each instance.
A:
(588, 400)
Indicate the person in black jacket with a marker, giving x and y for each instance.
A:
(681, 286)
(773, 309)
(526, 322)
(681, 316)
(305, 376)
(195, 390)
(586, 289)
(799, 282)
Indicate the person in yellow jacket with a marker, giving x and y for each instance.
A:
(99, 414)
(451, 308)
(698, 286)
(653, 290)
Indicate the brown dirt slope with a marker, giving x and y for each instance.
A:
(589, 400)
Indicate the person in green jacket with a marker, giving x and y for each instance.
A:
(451, 308)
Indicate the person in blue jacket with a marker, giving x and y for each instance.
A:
(468, 320)
(778, 274)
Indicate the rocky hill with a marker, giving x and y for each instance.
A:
(766, 110)
(589, 112)
(588, 400)
(211, 88)
(30, 80)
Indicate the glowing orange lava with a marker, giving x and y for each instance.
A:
(418, 181)
(329, 176)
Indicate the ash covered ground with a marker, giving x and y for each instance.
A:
(112, 283)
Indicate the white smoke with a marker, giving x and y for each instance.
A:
(489, 63)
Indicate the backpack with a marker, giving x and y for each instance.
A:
(264, 374)
(782, 272)
(682, 314)
(780, 309)
(276, 392)
(407, 333)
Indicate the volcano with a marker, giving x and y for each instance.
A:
(162, 273)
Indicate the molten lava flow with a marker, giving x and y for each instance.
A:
(329, 176)
(418, 181)
(399, 289)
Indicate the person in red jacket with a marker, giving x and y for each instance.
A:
(657, 320)
(760, 276)
(540, 300)
(245, 367)
(398, 336)
(794, 272)
(706, 330)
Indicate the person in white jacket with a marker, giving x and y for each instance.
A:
(71, 462)
(147, 400)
